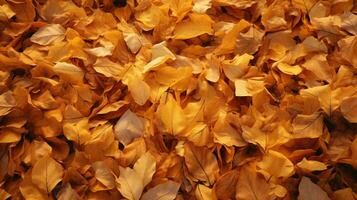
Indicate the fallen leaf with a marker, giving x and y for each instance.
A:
(197, 24)
(201, 163)
(164, 191)
(48, 34)
(309, 190)
(311, 165)
(47, 173)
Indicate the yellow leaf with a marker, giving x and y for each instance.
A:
(201, 163)
(69, 72)
(131, 182)
(228, 42)
(112, 107)
(289, 69)
(171, 115)
(180, 8)
(311, 165)
(163, 191)
(145, 168)
(201, 6)
(236, 67)
(197, 24)
(108, 68)
(251, 185)
(103, 174)
(349, 109)
(129, 127)
(225, 134)
(308, 126)
(150, 17)
(75, 126)
(225, 187)
(48, 34)
(203, 193)
(310, 191)
(7, 103)
(276, 165)
(6, 13)
(139, 90)
(159, 55)
(46, 173)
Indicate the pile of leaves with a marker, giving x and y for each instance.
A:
(178, 99)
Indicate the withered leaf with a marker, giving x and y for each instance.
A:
(46, 174)
(163, 191)
(201, 163)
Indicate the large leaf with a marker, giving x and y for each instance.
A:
(201, 163)
(310, 191)
(128, 127)
(48, 34)
(46, 173)
(131, 182)
(164, 191)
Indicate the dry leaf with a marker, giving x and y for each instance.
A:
(201, 163)
(309, 190)
(48, 34)
(46, 174)
(131, 182)
(129, 127)
(163, 191)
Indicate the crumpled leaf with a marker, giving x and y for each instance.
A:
(309, 190)
(47, 173)
(48, 34)
(129, 127)
(163, 191)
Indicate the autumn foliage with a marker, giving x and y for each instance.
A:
(178, 99)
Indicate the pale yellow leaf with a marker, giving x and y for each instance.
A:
(48, 34)
(145, 168)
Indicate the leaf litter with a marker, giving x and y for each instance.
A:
(178, 99)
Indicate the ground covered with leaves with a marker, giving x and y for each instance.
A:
(178, 99)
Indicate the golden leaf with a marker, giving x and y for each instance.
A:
(163, 191)
(46, 174)
(201, 163)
